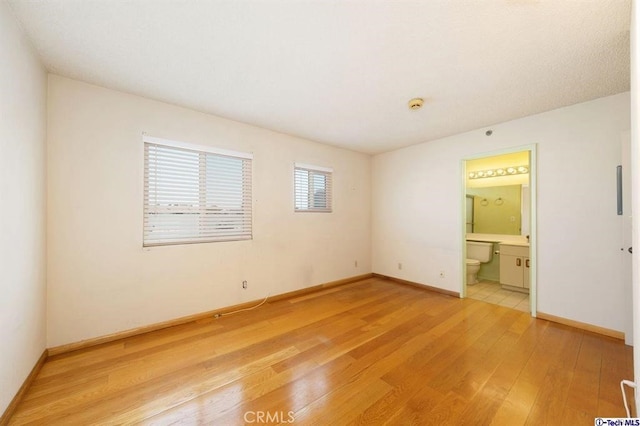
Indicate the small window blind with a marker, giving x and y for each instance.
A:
(313, 187)
(195, 194)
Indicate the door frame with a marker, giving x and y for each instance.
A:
(533, 230)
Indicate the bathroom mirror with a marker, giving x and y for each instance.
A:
(497, 209)
(498, 198)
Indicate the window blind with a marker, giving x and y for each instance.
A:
(312, 188)
(195, 196)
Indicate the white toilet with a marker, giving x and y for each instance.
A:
(477, 253)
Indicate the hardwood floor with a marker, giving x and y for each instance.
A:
(371, 352)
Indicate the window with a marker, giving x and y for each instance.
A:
(312, 188)
(195, 194)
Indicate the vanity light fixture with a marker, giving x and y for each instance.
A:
(514, 170)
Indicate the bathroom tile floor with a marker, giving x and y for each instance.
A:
(492, 292)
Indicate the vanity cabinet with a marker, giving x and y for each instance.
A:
(514, 267)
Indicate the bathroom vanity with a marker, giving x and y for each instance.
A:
(515, 267)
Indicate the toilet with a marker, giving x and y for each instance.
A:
(477, 252)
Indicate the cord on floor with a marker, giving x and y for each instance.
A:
(624, 396)
(245, 309)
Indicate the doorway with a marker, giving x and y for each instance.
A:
(499, 202)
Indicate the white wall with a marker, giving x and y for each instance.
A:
(22, 207)
(416, 205)
(101, 280)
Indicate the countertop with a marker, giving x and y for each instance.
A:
(514, 240)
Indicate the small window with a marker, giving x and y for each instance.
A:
(312, 188)
(195, 194)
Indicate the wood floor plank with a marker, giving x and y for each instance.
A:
(446, 412)
(293, 395)
(555, 359)
(344, 404)
(516, 406)
(614, 366)
(370, 352)
(584, 390)
(399, 404)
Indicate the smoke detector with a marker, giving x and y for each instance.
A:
(416, 103)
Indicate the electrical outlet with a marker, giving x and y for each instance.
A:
(441, 274)
(244, 284)
(399, 265)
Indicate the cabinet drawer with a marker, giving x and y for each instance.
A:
(510, 250)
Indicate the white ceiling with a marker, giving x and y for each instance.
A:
(342, 71)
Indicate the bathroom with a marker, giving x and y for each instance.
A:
(498, 231)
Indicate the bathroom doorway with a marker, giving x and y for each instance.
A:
(499, 192)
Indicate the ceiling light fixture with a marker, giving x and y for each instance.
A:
(515, 170)
(416, 103)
